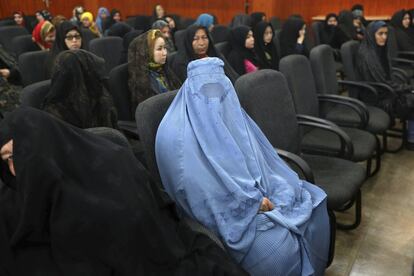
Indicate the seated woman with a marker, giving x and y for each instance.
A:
(404, 30)
(9, 79)
(78, 94)
(264, 47)
(21, 20)
(164, 27)
(119, 29)
(198, 44)
(103, 14)
(76, 13)
(73, 203)
(68, 37)
(346, 24)
(331, 34)
(292, 38)
(157, 13)
(222, 171)
(88, 23)
(149, 74)
(206, 20)
(242, 56)
(374, 65)
(114, 17)
(44, 35)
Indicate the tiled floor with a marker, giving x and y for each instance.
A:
(384, 242)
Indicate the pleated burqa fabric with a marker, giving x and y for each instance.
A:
(218, 166)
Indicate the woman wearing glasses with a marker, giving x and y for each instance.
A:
(68, 37)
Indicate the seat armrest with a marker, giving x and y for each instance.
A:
(299, 162)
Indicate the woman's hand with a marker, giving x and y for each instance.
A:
(266, 205)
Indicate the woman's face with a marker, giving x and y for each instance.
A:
(171, 22)
(50, 37)
(381, 36)
(405, 22)
(249, 42)
(160, 52)
(357, 22)
(117, 17)
(302, 32)
(18, 19)
(165, 31)
(39, 17)
(103, 15)
(332, 21)
(6, 153)
(73, 40)
(86, 23)
(268, 35)
(200, 42)
(159, 10)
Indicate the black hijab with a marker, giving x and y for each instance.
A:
(289, 36)
(119, 29)
(241, 20)
(186, 54)
(60, 45)
(239, 52)
(332, 35)
(82, 205)
(77, 94)
(256, 18)
(405, 36)
(346, 24)
(128, 38)
(262, 49)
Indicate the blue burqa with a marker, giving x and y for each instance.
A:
(218, 166)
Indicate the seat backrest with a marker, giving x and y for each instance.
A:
(392, 42)
(276, 23)
(7, 22)
(131, 21)
(220, 33)
(113, 135)
(265, 96)
(348, 54)
(298, 73)
(87, 36)
(170, 58)
(276, 41)
(324, 70)
(33, 95)
(316, 27)
(32, 66)
(22, 44)
(224, 48)
(142, 22)
(179, 37)
(109, 48)
(186, 22)
(118, 87)
(7, 33)
(148, 116)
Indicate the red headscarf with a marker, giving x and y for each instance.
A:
(40, 31)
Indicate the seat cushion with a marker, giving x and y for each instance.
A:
(340, 179)
(378, 123)
(322, 141)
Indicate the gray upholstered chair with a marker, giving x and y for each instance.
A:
(148, 116)
(224, 48)
(220, 33)
(34, 94)
(298, 72)
(22, 44)
(32, 67)
(179, 37)
(265, 96)
(7, 33)
(109, 48)
(323, 67)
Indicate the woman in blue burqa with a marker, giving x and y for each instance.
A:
(221, 170)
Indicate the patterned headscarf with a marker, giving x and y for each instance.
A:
(40, 32)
